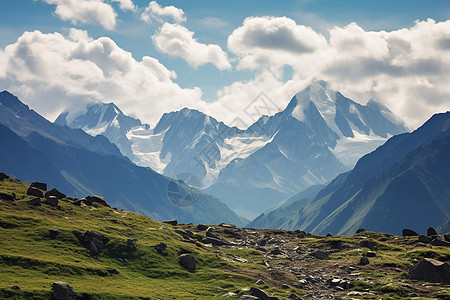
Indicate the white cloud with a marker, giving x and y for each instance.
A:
(51, 72)
(406, 69)
(159, 13)
(86, 12)
(177, 40)
(126, 5)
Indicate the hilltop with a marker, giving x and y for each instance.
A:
(105, 253)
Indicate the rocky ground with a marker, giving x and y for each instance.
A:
(366, 265)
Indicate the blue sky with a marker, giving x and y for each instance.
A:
(236, 70)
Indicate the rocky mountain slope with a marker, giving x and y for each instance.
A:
(63, 247)
(318, 135)
(81, 164)
(405, 182)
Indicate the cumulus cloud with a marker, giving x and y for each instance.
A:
(86, 12)
(177, 40)
(126, 5)
(159, 13)
(406, 69)
(51, 72)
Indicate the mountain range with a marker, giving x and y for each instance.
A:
(319, 135)
(34, 149)
(403, 183)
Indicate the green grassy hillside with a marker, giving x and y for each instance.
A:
(32, 259)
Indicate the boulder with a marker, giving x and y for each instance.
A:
(132, 244)
(35, 202)
(260, 294)
(276, 252)
(371, 254)
(62, 291)
(187, 261)
(97, 199)
(431, 270)
(51, 200)
(366, 244)
(15, 287)
(160, 247)
(447, 237)
(7, 196)
(424, 239)
(53, 233)
(319, 254)
(260, 282)
(439, 242)
(409, 232)
(171, 222)
(431, 231)
(32, 191)
(82, 202)
(3, 176)
(364, 261)
(225, 225)
(202, 227)
(56, 193)
(360, 230)
(329, 235)
(94, 242)
(342, 246)
(214, 242)
(212, 235)
(39, 185)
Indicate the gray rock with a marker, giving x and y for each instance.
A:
(160, 247)
(409, 232)
(360, 230)
(51, 200)
(371, 254)
(276, 252)
(447, 237)
(171, 222)
(319, 254)
(3, 176)
(97, 199)
(293, 296)
(56, 193)
(431, 231)
(424, 239)
(260, 282)
(202, 227)
(439, 242)
(260, 294)
(225, 225)
(53, 233)
(94, 242)
(214, 242)
(364, 261)
(366, 244)
(7, 196)
(329, 235)
(188, 261)
(431, 270)
(39, 185)
(212, 235)
(62, 291)
(15, 287)
(32, 191)
(248, 297)
(35, 202)
(342, 246)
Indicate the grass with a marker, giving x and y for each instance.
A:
(32, 259)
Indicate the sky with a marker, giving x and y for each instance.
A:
(152, 57)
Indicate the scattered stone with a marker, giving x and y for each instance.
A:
(53, 233)
(160, 247)
(97, 199)
(366, 244)
(260, 294)
(276, 252)
(35, 202)
(360, 230)
(364, 261)
(171, 222)
(15, 287)
(319, 254)
(431, 231)
(7, 196)
(188, 261)
(371, 254)
(3, 176)
(409, 232)
(51, 200)
(229, 294)
(132, 244)
(214, 242)
(439, 242)
(424, 239)
(260, 282)
(32, 191)
(447, 237)
(202, 227)
(285, 287)
(56, 193)
(62, 291)
(212, 235)
(431, 270)
(39, 185)
(225, 225)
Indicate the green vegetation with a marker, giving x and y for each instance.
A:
(32, 258)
